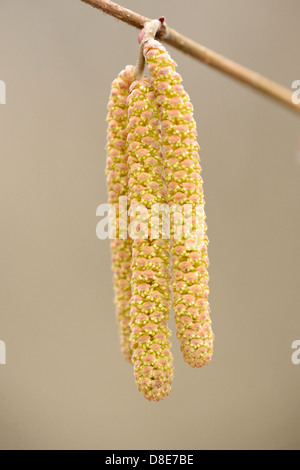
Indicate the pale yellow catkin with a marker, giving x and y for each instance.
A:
(117, 183)
(151, 294)
(184, 186)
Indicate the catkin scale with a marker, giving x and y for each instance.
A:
(117, 184)
(184, 187)
(150, 284)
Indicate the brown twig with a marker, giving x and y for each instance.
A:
(202, 54)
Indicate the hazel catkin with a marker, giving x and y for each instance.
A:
(117, 183)
(150, 301)
(184, 188)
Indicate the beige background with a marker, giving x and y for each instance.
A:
(65, 384)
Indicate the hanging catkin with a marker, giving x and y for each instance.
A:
(184, 186)
(150, 302)
(153, 163)
(117, 182)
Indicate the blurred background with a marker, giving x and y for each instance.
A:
(65, 384)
